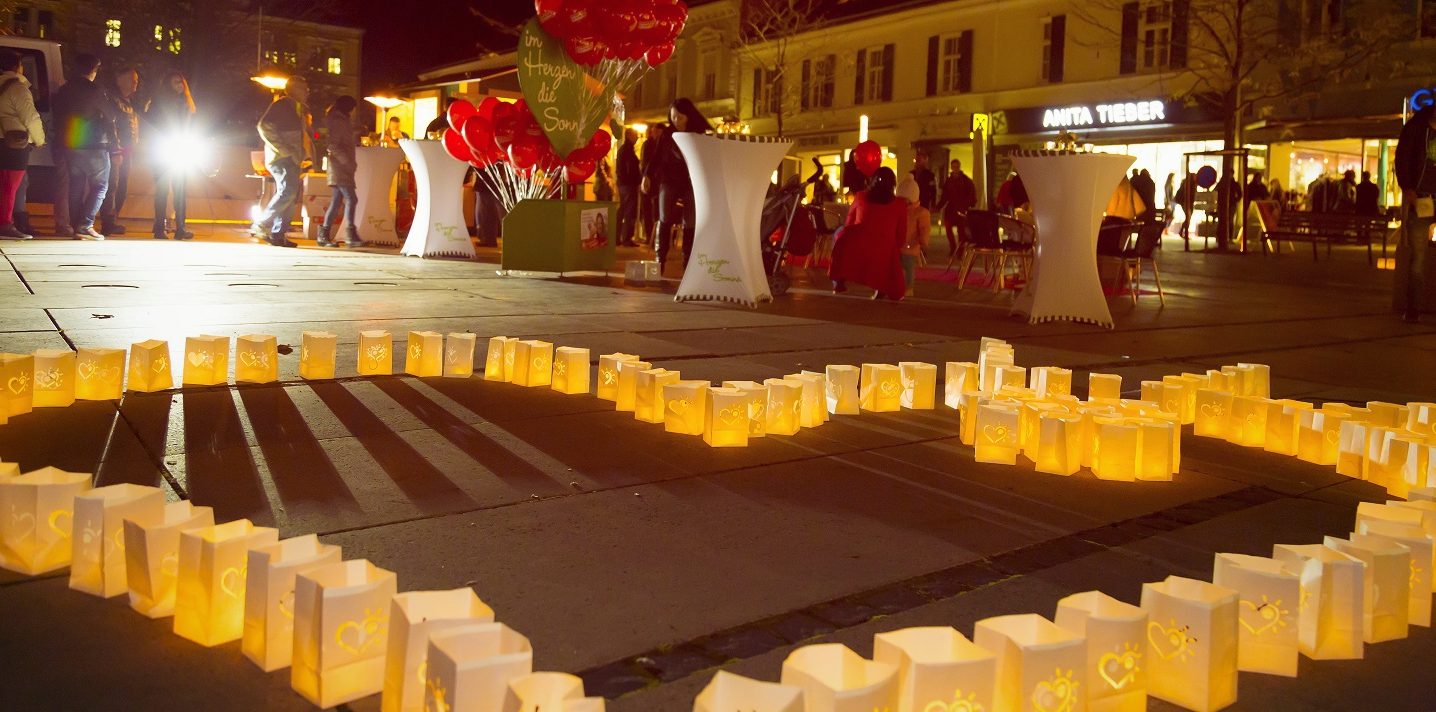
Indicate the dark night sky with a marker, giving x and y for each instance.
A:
(404, 37)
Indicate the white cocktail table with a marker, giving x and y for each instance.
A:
(438, 229)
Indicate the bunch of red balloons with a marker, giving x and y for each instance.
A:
(499, 132)
(595, 30)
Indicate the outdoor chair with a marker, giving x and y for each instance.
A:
(988, 245)
(1149, 236)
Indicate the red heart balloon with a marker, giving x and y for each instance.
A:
(601, 143)
(578, 169)
(459, 111)
(478, 132)
(454, 145)
(659, 54)
(868, 157)
(505, 129)
(586, 50)
(551, 17)
(488, 106)
(523, 154)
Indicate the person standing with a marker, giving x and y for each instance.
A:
(1346, 193)
(1368, 196)
(287, 150)
(1256, 188)
(648, 201)
(170, 114)
(23, 130)
(394, 130)
(127, 128)
(603, 181)
(959, 195)
(919, 226)
(630, 175)
(668, 174)
(1146, 190)
(343, 162)
(1416, 174)
(926, 180)
(86, 126)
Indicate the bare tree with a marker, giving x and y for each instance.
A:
(1241, 57)
(768, 37)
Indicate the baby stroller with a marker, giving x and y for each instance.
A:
(789, 228)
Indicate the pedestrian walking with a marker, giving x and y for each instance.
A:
(1187, 199)
(1368, 196)
(919, 227)
(648, 200)
(86, 126)
(23, 130)
(1416, 174)
(926, 180)
(170, 115)
(343, 162)
(668, 175)
(959, 195)
(127, 129)
(630, 177)
(287, 151)
(868, 248)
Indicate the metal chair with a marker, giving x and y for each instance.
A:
(988, 245)
(1149, 236)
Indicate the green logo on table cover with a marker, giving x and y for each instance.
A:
(554, 87)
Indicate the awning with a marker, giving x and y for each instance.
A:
(504, 79)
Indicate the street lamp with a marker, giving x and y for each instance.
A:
(384, 102)
(272, 82)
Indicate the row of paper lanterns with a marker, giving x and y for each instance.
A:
(1185, 643)
(341, 627)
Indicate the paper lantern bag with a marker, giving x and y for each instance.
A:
(608, 374)
(213, 568)
(152, 555)
(785, 406)
(1051, 381)
(1059, 446)
(570, 370)
(469, 666)
(376, 353)
(937, 668)
(98, 566)
(880, 388)
(814, 409)
(99, 374)
(685, 407)
(727, 692)
(206, 360)
(961, 376)
(424, 356)
(1116, 635)
(54, 378)
(919, 385)
(414, 618)
(36, 518)
(625, 399)
(256, 359)
(269, 596)
(1268, 606)
(341, 631)
(757, 395)
(317, 355)
(1333, 594)
(1192, 642)
(459, 355)
(996, 433)
(1387, 582)
(1414, 539)
(542, 691)
(1104, 386)
(494, 360)
(1040, 666)
(843, 389)
(836, 679)
(149, 369)
(726, 421)
(533, 363)
(17, 374)
(648, 404)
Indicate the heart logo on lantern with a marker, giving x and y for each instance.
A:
(49, 379)
(679, 407)
(731, 416)
(115, 545)
(109, 375)
(376, 353)
(607, 376)
(1056, 695)
(997, 434)
(959, 703)
(540, 363)
(416, 351)
(1170, 642)
(560, 368)
(1260, 618)
(452, 354)
(62, 530)
(254, 359)
(304, 353)
(1332, 437)
(160, 365)
(200, 359)
(86, 370)
(357, 637)
(19, 384)
(1212, 410)
(1119, 669)
(286, 604)
(22, 524)
(232, 581)
(889, 388)
(169, 565)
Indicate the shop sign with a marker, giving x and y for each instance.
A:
(1083, 118)
(1117, 114)
(1421, 98)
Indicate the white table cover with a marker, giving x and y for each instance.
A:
(730, 177)
(1069, 192)
(373, 180)
(438, 229)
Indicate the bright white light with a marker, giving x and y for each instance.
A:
(255, 212)
(185, 152)
(862, 128)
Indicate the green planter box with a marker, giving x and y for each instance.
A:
(560, 236)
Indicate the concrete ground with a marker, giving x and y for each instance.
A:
(644, 561)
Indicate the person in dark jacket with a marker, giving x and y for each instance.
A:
(170, 115)
(1416, 174)
(1256, 188)
(287, 150)
(86, 125)
(1146, 188)
(926, 180)
(127, 129)
(959, 195)
(630, 176)
(648, 201)
(1368, 196)
(668, 174)
(343, 162)
(1187, 198)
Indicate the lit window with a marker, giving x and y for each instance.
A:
(112, 33)
(174, 45)
(336, 66)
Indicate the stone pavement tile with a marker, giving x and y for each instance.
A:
(496, 402)
(1254, 466)
(25, 320)
(24, 342)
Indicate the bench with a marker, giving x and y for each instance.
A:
(1331, 228)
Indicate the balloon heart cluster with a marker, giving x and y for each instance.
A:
(596, 30)
(497, 132)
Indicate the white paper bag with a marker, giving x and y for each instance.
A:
(98, 567)
(836, 679)
(36, 516)
(1039, 665)
(269, 596)
(1268, 606)
(341, 631)
(414, 618)
(1416, 541)
(1192, 637)
(213, 568)
(919, 385)
(1116, 640)
(1387, 580)
(469, 666)
(960, 376)
(542, 691)
(938, 668)
(152, 555)
(727, 692)
(1333, 595)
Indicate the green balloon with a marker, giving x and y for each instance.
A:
(555, 87)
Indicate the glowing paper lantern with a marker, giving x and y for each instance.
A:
(960, 376)
(938, 668)
(542, 691)
(1387, 581)
(459, 355)
(1114, 452)
(269, 596)
(726, 422)
(881, 388)
(1214, 414)
(727, 692)
(608, 374)
(1283, 420)
(341, 631)
(813, 410)
(256, 359)
(785, 406)
(414, 618)
(919, 385)
(626, 398)
(1416, 541)
(1318, 436)
(1421, 418)
(98, 561)
(494, 361)
(533, 363)
(648, 403)
(685, 406)
(1039, 665)
(150, 367)
(35, 530)
(213, 567)
(1268, 606)
(1222, 381)
(1192, 642)
(1116, 641)
(1259, 378)
(1104, 386)
(1248, 421)
(570, 370)
(1010, 376)
(997, 433)
(376, 353)
(206, 360)
(1396, 459)
(1028, 422)
(1051, 381)
(1391, 415)
(1353, 442)
(842, 390)
(836, 679)
(757, 395)
(1179, 395)
(317, 352)
(967, 416)
(54, 378)
(99, 374)
(1157, 455)
(989, 359)
(1333, 596)
(1059, 448)
(424, 355)
(1154, 391)
(468, 665)
(152, 555)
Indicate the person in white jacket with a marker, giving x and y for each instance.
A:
(23, 130)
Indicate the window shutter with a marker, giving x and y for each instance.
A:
(830, 78)
(807, 84)
(757, 92)
(888, 54)
(1129, 38)
(862, 70)
(1059, 49)
(1180, 32)
(964, 61)
(933, 50)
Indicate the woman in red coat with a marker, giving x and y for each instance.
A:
(868, 250)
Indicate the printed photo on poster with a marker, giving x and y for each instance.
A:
(594, 230)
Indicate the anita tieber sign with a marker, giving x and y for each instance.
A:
(1102, 115)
